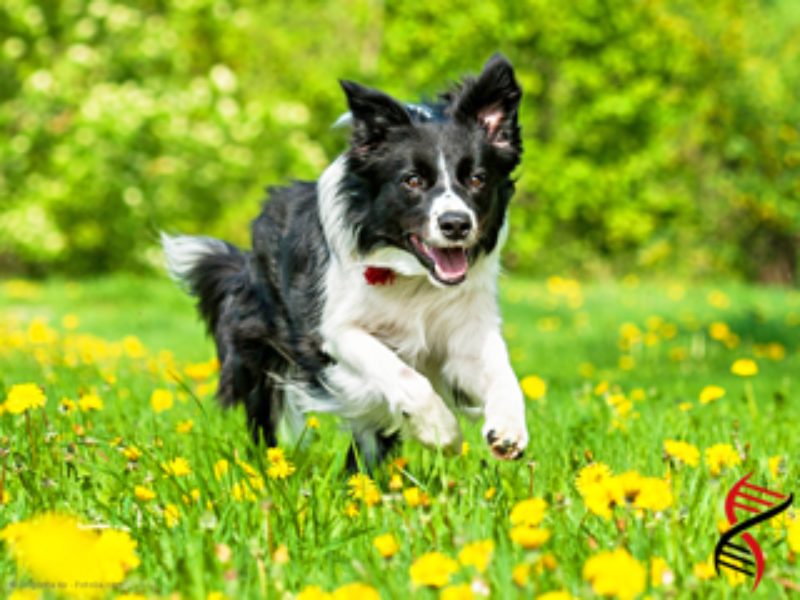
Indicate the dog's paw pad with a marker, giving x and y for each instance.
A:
(504, 448)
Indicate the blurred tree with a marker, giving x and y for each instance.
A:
(660, 134)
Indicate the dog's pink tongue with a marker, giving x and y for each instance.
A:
(451, 263)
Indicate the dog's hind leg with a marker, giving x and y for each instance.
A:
(264, 405)
(369, 449)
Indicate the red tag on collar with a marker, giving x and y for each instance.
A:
(379, 276)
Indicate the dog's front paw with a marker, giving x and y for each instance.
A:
(507, 437)
(425, 416)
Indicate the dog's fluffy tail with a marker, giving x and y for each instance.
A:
(210, 269)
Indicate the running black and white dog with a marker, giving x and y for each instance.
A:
(372, 293)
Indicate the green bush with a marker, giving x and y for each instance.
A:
(660, 135)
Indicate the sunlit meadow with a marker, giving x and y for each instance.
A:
(121, 477)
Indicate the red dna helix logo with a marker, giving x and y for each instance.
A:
(760, 504)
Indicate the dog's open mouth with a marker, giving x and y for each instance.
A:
(449, 265)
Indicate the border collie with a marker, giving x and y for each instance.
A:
(372, 293)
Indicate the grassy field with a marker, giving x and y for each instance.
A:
(131, 440)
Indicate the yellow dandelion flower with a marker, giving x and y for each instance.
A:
(205, 389)
(464, 448)
(490, 493)
(720, 456)
(534, 387)
(275, 454)
(719, 331)
(592, 474)
(250, 470)
(615, 573)
(528, 512)
(776, 351)
(461, 591)
(398, 464)
(24, 396)
(744, 367)
(351, 510)
(161, 400)
(705, 570)
(710, 393)
(793, 535)
(313, 592)
(241, 490)
(655, 494)
(220, 468)
(281, 555)
(684, 452)
(629, 484)
(432, 569)
(620, 403)
(775, 465)
(67, 406)
(210, 596)
(143, 493)
(396, 482)
(5, 497)
(312, 422)
(734, 577)
(529, 537)
(133, 347)
(638, 395)
(685, 406)
(279, 466)
(90, 402)
(172, 515)
(520, 574)
(201, 371)
(386, 545)
(718, 299)
(177, 467)
(556, 595)
(184, 426)
(660, 573)
(40, 333)
(53, 547)
(547, 561)
(132, 453)
(477, 554)
(601, 498)
(415, 497)
(356, 591)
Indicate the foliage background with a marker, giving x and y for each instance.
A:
(660, 134)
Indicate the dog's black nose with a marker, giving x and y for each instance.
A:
(455, 225)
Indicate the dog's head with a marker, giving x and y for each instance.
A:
(431, 182)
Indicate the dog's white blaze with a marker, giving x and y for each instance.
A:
(444, 202)
(394, 344)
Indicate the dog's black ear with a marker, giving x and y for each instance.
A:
(373, 114)
(492, 100)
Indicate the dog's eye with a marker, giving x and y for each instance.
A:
(413, 181)
(476, 181)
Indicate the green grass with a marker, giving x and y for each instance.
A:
(571, 341)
